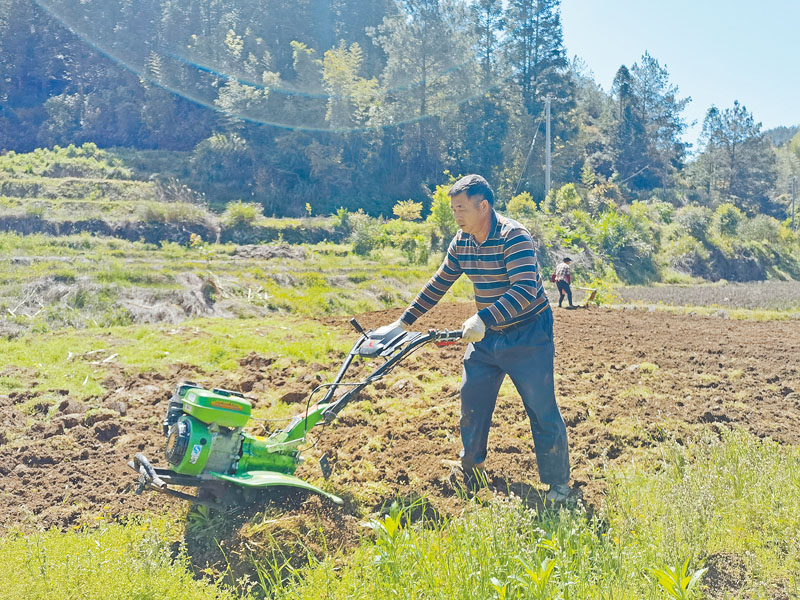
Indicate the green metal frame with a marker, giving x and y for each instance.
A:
(262, 479)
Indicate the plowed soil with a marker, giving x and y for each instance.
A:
(625, 380)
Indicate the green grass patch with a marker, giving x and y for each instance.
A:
(77, 360)
(111, 562)
(116, 272)
(86, 161)
(501, 550)
(323, 279)
(742, 314)
(735, 496)
(731, 496)
(218, 344)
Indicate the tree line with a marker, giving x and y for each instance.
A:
(363, 103)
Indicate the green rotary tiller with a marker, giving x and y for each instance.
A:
(207, 447)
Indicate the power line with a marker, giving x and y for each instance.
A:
(527, 158)
(647, 166)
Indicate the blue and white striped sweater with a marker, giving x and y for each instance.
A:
(504, 272)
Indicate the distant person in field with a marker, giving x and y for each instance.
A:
(511, 333)
(563, 279)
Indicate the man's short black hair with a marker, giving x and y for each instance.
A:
(567, 259)
(473, 185)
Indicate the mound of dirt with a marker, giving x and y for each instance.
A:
(194, 298)
(287, 527)
(266, 251)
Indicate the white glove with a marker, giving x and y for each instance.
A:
(399, 324)
(385, 329)
(473, 329)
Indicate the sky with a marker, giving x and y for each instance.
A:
(715, 51)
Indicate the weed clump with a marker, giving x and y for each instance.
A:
(242, 214)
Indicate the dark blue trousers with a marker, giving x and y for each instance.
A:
(526, 355)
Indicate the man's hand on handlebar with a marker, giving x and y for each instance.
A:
(398, 324)
(473, 329)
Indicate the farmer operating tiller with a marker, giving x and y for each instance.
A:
(511, 334)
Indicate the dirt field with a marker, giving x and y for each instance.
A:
(625, 380)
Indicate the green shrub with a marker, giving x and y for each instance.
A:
(564, 200)
(242, 214)
(175, 212)
(623, 241)
(613, 231)
(341, 220)
(567, 198)
(410, 238)
(521, 206)
(408, 210)
(604, 282)
(654, 211)
(686, 254)
(694, 220)
(726, 219)
(548, 205)
(365, 233)
(442, 219)
(761, 228)
(35, 210)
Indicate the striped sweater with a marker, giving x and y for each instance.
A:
(503, 270)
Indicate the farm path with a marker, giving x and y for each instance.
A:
(625, 381)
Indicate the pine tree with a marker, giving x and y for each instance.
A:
(353, 18)
(425, 78)
(628, 133)
(537, 59)
(647, 126)
(536, 50)
(488, 22)
(660, 108)
(737, 164)
(482, 121)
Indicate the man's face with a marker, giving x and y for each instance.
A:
(470, 213)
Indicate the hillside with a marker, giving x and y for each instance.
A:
(74, 190)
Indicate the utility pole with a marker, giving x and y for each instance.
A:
(794, 194)
(547, 149)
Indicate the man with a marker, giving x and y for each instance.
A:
(563, 280)
(512, 332)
